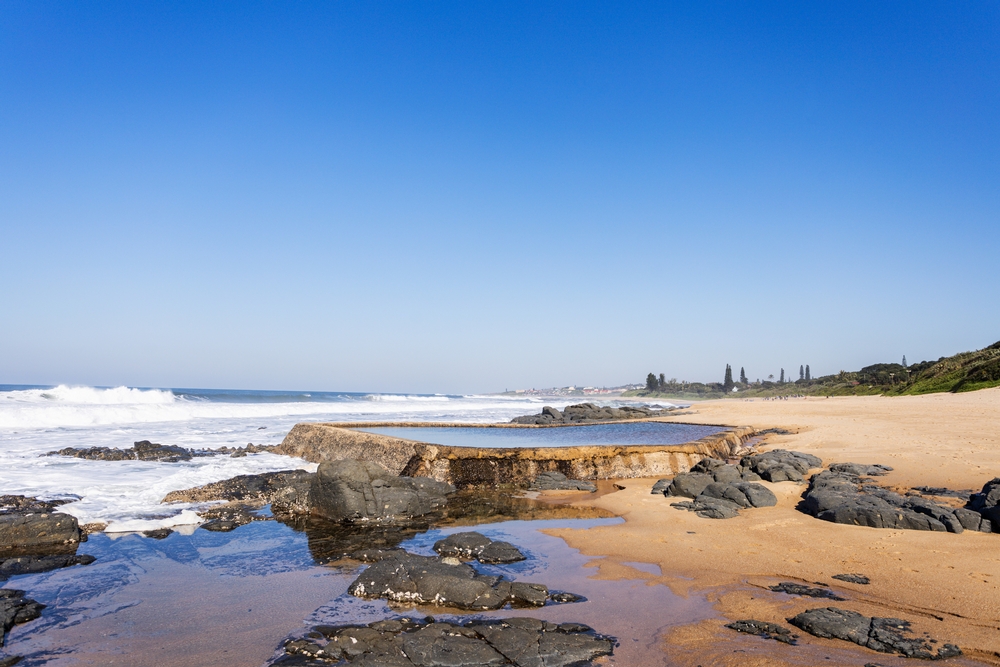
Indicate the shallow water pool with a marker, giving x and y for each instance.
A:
(629, 433)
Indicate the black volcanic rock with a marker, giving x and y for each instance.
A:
(16, 609)
(808, 591)
(842, 497)
(404, 642)
(887, 635)
(585, 413)
(718, 490)
(780, 465)
(144, 450)
(556, 481)
(28, 526)
(476, 546)
(287, 491)
(765, 630)
(403, 577)
(363, 491)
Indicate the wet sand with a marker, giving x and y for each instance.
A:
(947, 585)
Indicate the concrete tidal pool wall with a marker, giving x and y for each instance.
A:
(480, 466)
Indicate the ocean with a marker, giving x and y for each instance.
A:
(127, 494)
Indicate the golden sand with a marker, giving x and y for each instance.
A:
(947, 585)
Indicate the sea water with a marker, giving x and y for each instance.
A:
(127, 494)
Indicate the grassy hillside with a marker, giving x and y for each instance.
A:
(967, 371)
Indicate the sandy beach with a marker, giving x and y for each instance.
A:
(948, 585)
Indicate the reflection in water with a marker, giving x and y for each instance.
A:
(229, 599)
(635, 611)
(329, 541)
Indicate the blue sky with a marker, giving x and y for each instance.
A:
(459, 197)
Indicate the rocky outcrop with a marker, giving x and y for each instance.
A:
(765, 630)
(16, 609)
(707, 471)
(780, 465)
(286, 491)
(861, 469)
(853, 578)
(987, 503)
(842, 497)
(30, 527)
(362, 491)
(144, 450)
(476, 546)
(408, 578)
(556, 481)
(238, 452)
(10, 567)
(718, 490)
(586, 413)
(405, 642)
(886, 635)
(792, 588)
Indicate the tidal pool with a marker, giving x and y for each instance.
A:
(628, 433)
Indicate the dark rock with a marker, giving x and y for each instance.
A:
(28, 526)
(553, 413)
(692, 484)
(556, 481)
(562, 597)
(16, 609)
(220, 526)
(224, 518)
(499, 552)
(27, 505)
(286, 491)
(471, 545)
(842, 497)
(988, 497)
(144, 450)
(971, 520)
(9, 660)
(408, 578)
(764, 629)
(158, 533)
(941, 491)
(861, 469)
(687, 484)
(10, 567)
(710, 508)
(887, 635)
(809, 591)
(780, 465)
(586, 413)
(404, 642)
(528, 595)
(466, 546)
(853, 578)
(363, 491)
(238, 452)
(744, 494)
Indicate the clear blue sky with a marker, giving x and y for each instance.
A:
(458, 197)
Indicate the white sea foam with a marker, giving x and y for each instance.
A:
(36, 421)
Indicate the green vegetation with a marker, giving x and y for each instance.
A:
(967, 371)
